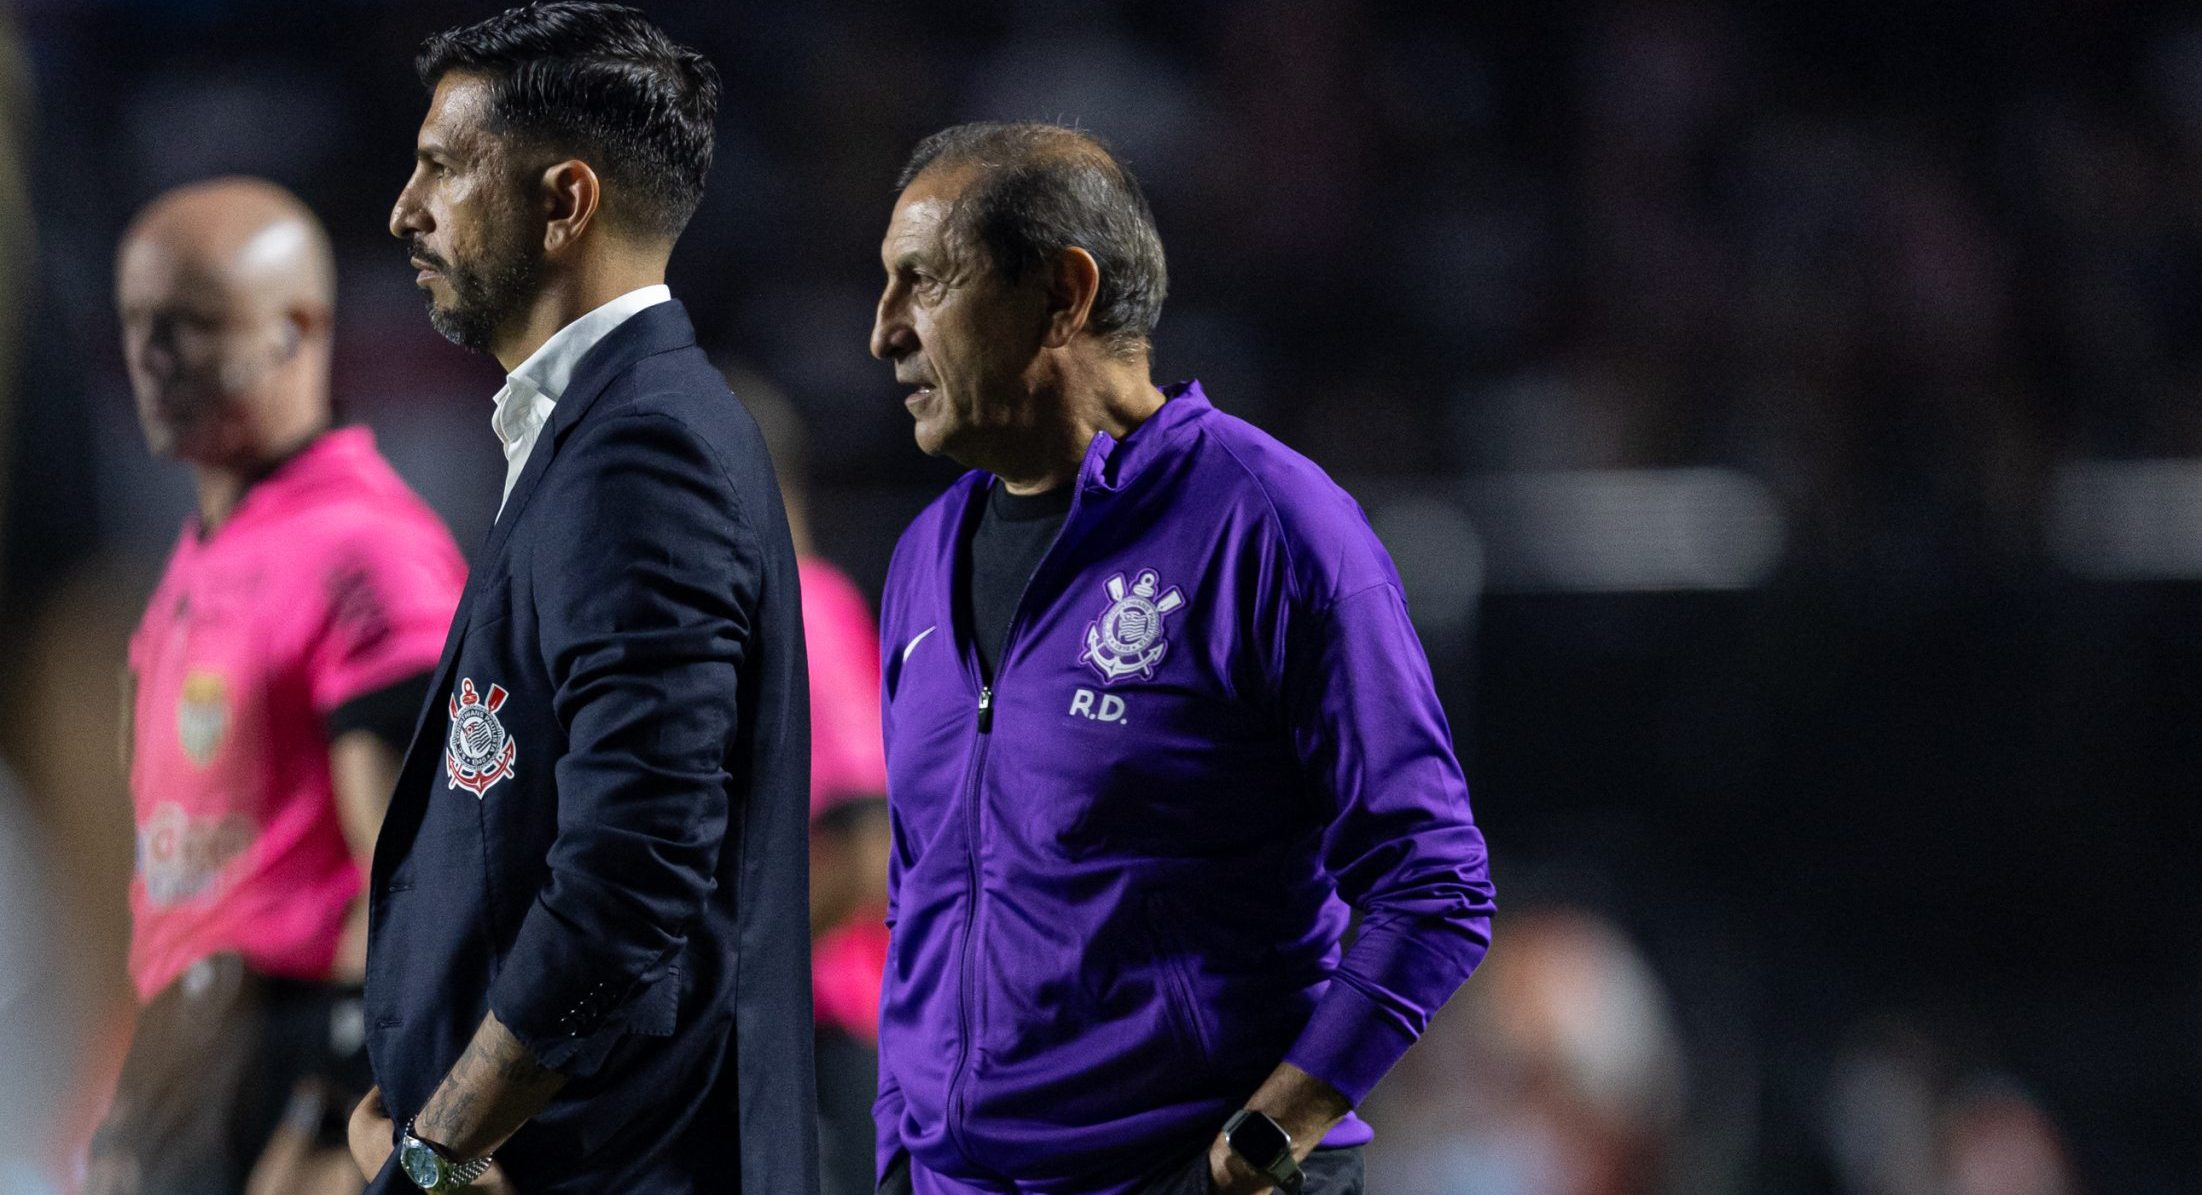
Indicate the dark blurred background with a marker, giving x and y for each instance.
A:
(1787, 419)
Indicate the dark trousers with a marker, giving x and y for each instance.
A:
(1329, 1172)
(848, 1082)
(213, 1063)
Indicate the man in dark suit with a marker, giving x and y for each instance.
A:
(588, 952)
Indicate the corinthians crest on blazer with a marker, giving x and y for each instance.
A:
(600, 828)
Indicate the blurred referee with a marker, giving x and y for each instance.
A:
(275, 679)
(1155, 719)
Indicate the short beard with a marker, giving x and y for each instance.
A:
(485, 297)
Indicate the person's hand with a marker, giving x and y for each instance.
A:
(371, 1134)
(1229, 1174)
(1307, 1108)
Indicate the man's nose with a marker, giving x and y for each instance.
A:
(892, 337)
(407, 217)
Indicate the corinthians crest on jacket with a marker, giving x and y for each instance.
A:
(1127, 639)
(478, 753)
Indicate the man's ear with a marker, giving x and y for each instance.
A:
(1074, 278)
(571, 194)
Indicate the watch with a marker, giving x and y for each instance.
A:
(1266, 1147)
(432, 1168)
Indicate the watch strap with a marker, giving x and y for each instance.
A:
(463, 1174)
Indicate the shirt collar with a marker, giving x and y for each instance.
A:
(531, 390)
(333, 456)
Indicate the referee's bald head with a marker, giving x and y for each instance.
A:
(247, 233)
(227, 292)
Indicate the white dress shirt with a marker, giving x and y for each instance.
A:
(532, 391)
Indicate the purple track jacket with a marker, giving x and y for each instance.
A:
(1122, 872)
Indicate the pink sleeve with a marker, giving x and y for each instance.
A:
(385, 601)
(847, 759)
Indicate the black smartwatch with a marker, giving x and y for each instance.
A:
(1265, 1146)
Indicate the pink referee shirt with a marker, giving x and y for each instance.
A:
(847, 763)
(847, 759)
(330, 580)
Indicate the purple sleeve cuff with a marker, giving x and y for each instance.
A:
(1350, 1041)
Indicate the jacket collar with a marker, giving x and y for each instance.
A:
(531, 392)
(1111, 464)
(660, 328)
(550, 371)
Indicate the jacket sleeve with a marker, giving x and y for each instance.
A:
(645, 600)
(1401, 843)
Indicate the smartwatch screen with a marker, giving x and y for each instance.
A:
(1258, 1139)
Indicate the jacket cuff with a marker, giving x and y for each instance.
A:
(1350, 1041)
(568, 1006)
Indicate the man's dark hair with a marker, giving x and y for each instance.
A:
(602, 83)
(1043, 188)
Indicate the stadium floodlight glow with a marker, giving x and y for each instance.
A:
(2128, 520)
(1625, 530)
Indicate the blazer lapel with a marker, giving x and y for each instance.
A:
(441, 685)
(417, 772)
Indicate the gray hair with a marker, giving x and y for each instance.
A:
(1043, 188)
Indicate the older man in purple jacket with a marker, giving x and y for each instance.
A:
(1156, 722)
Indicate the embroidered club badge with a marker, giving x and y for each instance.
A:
(1127, 639)
(202, 716)
(478, 752)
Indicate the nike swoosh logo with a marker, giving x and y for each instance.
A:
(912, 645)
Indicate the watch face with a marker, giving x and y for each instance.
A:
(1258, 1139)
(421, 1165)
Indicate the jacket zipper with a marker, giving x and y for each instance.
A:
(957, 1098)
(961, 1112)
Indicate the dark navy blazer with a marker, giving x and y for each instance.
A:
(600, 828)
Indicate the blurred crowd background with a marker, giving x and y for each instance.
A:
(1787, 419)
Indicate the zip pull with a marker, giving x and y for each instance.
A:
(986, 708)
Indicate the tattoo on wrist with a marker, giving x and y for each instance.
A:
(496, 1062)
